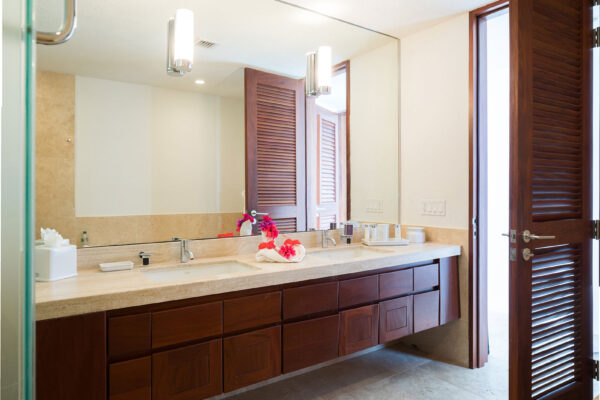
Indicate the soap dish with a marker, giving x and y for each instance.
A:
(389, 242)
(116, 266)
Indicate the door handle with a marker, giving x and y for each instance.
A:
(528, 237)
(66, 30)
(527, 254)
(254, 213)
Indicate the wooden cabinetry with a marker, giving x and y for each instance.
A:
(310, 342)
(191, 372)
(130, 380)
(395, 319)
(358, 329)
(251, 357)
(198, 348)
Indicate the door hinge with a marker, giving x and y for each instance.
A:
(474, 223)
(596, 37)
(596, 229)
(595, 368)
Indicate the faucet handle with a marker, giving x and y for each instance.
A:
(145, 257)
(332, 225)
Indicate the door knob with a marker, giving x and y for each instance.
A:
(527, 254)
(528, 236)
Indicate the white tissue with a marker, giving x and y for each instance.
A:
(52, 238)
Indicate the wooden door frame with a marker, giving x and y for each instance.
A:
(344, 67)
(478, 307)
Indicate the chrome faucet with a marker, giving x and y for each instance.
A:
(186, 254)
(325, 238)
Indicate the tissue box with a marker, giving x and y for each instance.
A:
(52, 264)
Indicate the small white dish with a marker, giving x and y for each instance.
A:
(116, 266)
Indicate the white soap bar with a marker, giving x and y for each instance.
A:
(116, 266)
(54, 263)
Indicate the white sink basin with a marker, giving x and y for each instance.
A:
(346, 254)
(197, 271)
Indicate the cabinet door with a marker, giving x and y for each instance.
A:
(180, 325)
(191, 372)
(131, 380)
(426, 310)
(251, 312)
(395, 319)
(129, 336)
(310, 342)
(358, 329)
(251, 357)
(354, 292)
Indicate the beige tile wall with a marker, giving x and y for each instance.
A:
(55, 182)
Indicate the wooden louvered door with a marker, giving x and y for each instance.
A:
(276, 148)
(328, 169)
(550, 169)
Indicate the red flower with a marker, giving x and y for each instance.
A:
(287, 251)
(267, 245)
(291, 242)
(271, 231)
(245, 217)
(228, 234)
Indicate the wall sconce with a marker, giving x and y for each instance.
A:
(180, 43)
(318, 72)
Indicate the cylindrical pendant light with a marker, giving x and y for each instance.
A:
(180, 52)
(311, 75)
(324, 69)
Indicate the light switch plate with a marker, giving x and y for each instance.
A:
(374, 206)
(433, 207)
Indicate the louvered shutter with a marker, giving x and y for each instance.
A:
(550, 294)
(275, 148)
(328, 168)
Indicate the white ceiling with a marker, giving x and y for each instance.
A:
(393, 17)
(126, 41)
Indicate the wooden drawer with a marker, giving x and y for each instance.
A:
(129, 335)
(310, 342)
(131, 380)
(191, 372)
(426, 277)
(251, 311)
(251, 357)
(393, 284)
(185, 324)
(358, 329)
(426, 310)
(311, 299)
(359, 291)
(395, 319)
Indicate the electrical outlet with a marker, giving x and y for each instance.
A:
(433, 207)
(374, 206)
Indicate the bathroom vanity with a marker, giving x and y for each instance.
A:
(198, 347)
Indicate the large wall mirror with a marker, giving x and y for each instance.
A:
(129, 154)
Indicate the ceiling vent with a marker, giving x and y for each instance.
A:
(207, 44)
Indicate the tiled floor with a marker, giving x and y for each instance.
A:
(398, 373)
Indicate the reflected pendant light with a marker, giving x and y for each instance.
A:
(180, 43)
(318, 72)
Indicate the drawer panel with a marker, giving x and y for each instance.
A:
(186, 324)
(393, 284)
(395, 319)
(359, 291)
(251, 311)
(426, 310)
(131, 380)
(358, 329)
(310, 342)
(426, 277)
(129, 335)
(312, 299)
(251, 357)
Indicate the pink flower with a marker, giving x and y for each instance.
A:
(271, 231)
(245, 217)
(267, 245)
(287, 251)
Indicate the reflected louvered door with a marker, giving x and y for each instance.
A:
(328, 169)
(275, 148)
(550, 169)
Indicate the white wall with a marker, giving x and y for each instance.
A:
(374, 112)
(434, 92)
(141, 150)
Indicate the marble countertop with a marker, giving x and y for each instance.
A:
(92, 290)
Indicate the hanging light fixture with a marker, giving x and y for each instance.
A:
(180, 43)
(318, 72)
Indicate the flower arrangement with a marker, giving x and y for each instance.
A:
(268, 227)
(245, 217)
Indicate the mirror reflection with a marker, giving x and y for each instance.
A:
(127, 152)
